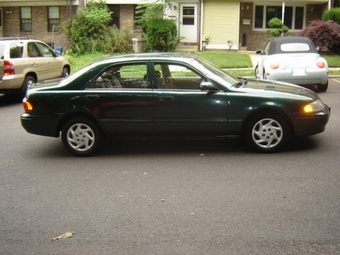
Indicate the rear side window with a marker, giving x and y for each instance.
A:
(16, 50)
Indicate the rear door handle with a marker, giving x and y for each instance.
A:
(166, 98)
(92, 97)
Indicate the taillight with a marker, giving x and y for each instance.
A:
(274, 65)
(321, 64)
(8, 68)
(27, 105)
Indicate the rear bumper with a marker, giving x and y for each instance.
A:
(11, 82)
(39, 125)
(310, 77)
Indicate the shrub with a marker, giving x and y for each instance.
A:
(160, 35)
(332, 14)
(88, 31)
(324, 34)
(278, 27)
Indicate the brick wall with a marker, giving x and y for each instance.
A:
(11, 24)
(256, 40)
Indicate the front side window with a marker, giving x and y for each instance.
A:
(173, 76)
(25, 19)
(45, 50)
(53, 18)
(293, 16)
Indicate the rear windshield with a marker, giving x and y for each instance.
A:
(295, 47)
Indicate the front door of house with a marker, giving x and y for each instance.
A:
(188, 22)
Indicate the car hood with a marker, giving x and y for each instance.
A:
(279, 87)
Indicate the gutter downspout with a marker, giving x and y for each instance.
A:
(201, 30)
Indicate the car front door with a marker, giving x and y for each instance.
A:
(121, 99)
(52, 65)
(182, 108)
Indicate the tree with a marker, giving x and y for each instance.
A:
(324, 34)
(160, 34)
(89, 32)
(278, 27)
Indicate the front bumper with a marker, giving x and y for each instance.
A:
(310, 125)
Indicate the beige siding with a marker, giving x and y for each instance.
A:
(221, 22)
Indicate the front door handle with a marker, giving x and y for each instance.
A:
(92, 97)
(166, 98)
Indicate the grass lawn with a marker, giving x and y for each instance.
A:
(227, 60)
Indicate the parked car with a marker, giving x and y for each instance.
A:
(292, 59)
(26, 61)
(169, 95)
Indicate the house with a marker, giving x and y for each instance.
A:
(203, 24)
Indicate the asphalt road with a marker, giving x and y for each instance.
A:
(169, 197)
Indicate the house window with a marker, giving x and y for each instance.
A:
(293, 18)
(53, 18)
(25, 19)
(115, 9)
(188, 15)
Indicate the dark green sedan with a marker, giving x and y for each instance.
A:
(169, 95)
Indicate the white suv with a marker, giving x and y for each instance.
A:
(24, 61)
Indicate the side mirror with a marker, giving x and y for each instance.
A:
(207, 85)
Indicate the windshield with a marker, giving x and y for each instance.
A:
(218, 73)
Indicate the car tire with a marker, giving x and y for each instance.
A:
(29, 81)
(81, 136)
(257, 73)
(322, 87)
(267, 132)
(64, 72)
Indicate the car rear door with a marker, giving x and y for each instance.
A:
(182, 108)
(122, 100)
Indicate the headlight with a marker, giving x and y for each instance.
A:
(316, 106)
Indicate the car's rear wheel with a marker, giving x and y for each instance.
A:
(29, 81)
(81, 136)
(257, 73)
(267, 132)
(322, 87)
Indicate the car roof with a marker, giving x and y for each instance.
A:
(151, 56)
(276, 42)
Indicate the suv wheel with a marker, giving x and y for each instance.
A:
(29, 81)
(65, 72)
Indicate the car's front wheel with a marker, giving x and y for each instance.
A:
(65, 72)
(81, 136)
(267, 132)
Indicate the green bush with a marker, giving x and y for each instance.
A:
(277, 27)
(88, 31)
(332, 14)
(160, 35)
